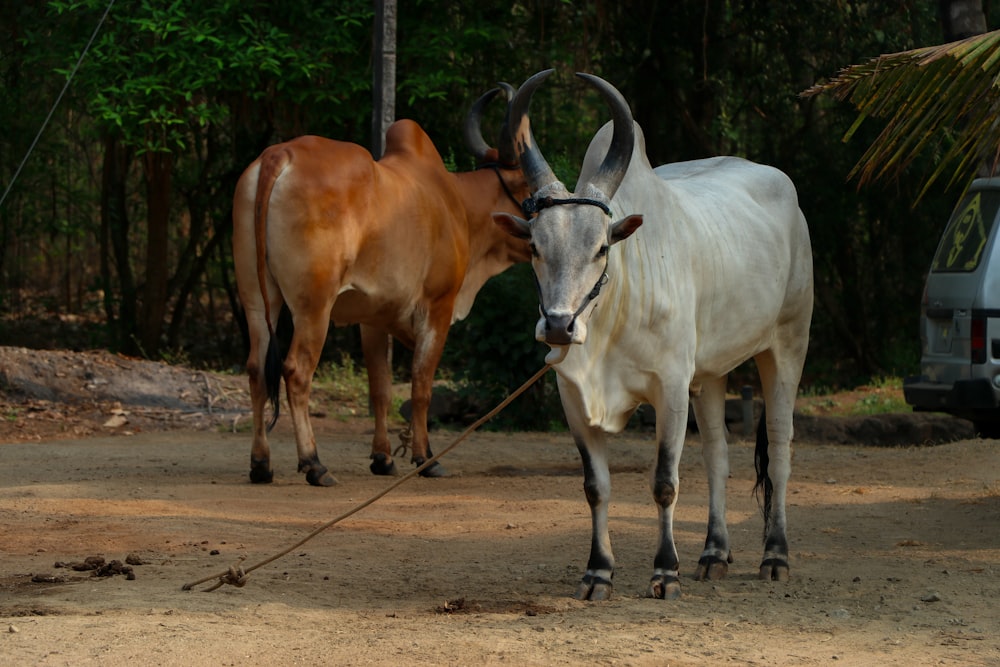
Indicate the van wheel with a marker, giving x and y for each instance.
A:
(987, 429)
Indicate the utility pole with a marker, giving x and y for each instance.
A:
(384, 66)
(383, 95)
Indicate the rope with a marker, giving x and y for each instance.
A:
(237, 576)
(58, 100)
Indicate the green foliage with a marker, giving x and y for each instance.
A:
(939, 99)
(878, 404)
(343, 380)
(210, 84)
(162, 69)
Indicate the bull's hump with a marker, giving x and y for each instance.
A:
(406, 137)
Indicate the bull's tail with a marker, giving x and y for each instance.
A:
(272, 377)
(764, 486)
(272, 163)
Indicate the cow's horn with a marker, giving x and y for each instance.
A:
(473, 126)
(612, 170)
(536, 169)
(508, 154)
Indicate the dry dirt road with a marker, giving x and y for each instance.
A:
(895, 557)
(894, 549)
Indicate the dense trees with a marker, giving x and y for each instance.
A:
(122, 209)
(935, 99)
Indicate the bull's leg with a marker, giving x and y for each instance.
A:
(260, 451)
(300, 365)
(779, 379)
(709, 409)
(375, 343)
(426, 355)
(597, 580)
(671, 428)
(592, 444)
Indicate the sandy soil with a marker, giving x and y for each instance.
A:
(895, 550)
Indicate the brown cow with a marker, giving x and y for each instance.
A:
(399, 245)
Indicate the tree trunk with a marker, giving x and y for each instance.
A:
(962, 18)
(188, 283)
(158, 171)
(114, 245)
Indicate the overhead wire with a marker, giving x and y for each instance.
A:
(65, 87)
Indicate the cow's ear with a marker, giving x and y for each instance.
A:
(623, 228)
(513, 225)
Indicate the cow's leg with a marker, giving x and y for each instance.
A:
(592, 443)
(375, 343)
(597, 580)
(780, 370)
(300, 365)
(426, 355)
(710, 411)
(671, 428)
(260, 451)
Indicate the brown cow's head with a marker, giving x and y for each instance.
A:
(503, 159)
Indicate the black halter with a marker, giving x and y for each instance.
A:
(532, 205)
(591, 295)
(496, 167)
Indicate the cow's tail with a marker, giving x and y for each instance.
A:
(272, 163)
(764, 488)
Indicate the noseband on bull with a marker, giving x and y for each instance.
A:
(531, 207)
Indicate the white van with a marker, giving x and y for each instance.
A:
(960, 316)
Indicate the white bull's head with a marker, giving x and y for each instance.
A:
(572, 232)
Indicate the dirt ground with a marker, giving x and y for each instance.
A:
(894, 544)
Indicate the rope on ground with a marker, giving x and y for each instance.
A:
(237, 576)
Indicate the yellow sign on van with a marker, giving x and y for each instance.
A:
(968, 236)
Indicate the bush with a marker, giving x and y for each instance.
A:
(493, 352)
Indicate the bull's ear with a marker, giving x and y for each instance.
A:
(623, 228)
(513, 225)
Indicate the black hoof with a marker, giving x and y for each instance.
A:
(320, 476)
(595, 589)
(433, 470)
(316, 473)
(380, 467)
(260, 472)
(773, 569)
(664, 587)
(712, 568)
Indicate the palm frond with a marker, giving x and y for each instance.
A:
(944, 98)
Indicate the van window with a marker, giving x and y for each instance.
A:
(968, 230)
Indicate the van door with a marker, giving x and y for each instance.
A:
(953, 329)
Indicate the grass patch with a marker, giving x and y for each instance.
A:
(342, 381)
(882, 395)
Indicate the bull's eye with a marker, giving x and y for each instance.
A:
(603, 252)
(534, 249)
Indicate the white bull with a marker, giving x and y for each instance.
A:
(720, 272)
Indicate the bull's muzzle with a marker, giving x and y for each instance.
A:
(559, 329)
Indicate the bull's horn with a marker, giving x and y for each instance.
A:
(536, 169)
(612, 170)
(473, 126)
(508, 154)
